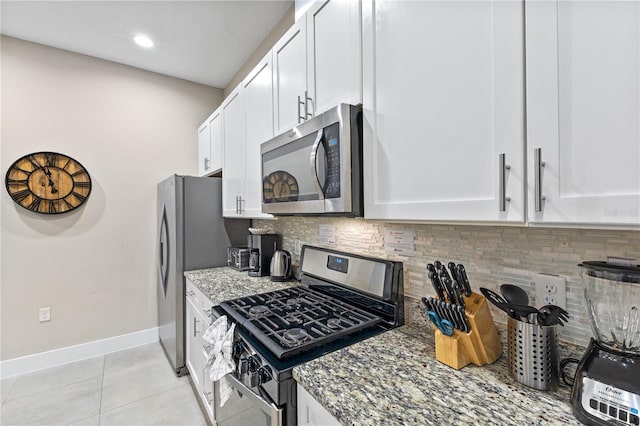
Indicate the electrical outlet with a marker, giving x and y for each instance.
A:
(550, 290)
(45, 314)
(298, 244)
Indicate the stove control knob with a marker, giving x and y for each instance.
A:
(254, 379)
(236, 350)
(254, 363)
(263, 375)
(243, 365)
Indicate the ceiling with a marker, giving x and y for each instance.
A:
(202, 41)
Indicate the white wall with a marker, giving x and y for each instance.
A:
(96, 266)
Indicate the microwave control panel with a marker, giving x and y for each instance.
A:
(332, 147)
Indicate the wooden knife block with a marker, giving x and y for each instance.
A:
(480, 346)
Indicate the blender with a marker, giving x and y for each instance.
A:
(606, 390)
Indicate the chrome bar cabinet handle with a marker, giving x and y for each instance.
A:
(307, 99)
(300, 102)
(503, 168)
(538, 165)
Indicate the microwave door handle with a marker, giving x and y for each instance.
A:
(313, 164)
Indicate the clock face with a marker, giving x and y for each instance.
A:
(48, 182)
(280, 187)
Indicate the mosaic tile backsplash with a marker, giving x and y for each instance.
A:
(492, 255)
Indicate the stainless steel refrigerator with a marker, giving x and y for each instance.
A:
(192, 235)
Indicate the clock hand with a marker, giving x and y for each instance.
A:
(51, 184)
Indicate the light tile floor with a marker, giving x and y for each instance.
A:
(135, 387)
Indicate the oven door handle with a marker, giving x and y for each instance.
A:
(314, 166)
(268, 407)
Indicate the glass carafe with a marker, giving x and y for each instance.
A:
(612, 293)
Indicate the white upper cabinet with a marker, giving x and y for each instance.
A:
(443, 106)
(233, 176)
(583, 112)
(290, 77)
(210, 145)
(215, 140)
(204, 149)
(334, 54)
(317, 63)
(258, 128)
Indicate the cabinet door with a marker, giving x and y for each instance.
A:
(583, 113)
(443, 99)
(233, 165)
(311, 412)
(215, 140)
(334, 54)
(204, 149)
(194, 327)
(289, 77)
(258, 128)
(207, 394)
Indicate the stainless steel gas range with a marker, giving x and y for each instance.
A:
(343, 299)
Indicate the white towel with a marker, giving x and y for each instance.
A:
(219, 359)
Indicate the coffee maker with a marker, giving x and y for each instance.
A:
(262, 247)
(606, 390)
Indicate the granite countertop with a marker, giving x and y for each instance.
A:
(224, 283)
(395, 379)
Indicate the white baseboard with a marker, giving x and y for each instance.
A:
(29, 363)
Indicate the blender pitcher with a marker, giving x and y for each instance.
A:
(607, 383)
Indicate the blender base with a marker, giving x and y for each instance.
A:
(606, 390)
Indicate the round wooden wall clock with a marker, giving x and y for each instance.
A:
(280, 187)
(48, 182)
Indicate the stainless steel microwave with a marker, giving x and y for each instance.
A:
(316, 167)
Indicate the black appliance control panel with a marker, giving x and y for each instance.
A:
(337, 263)
(332, 147)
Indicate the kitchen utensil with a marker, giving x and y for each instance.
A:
(479, 345)
(533, 354)
(445, 326)
(606, 389)
(462, 314)
(552, 315)
(457, 290)
(447, 312)
(446, 283)
(464, 280)
(436, 316)
(435, 281)
(453, 271)
(513, 310)
(442, 271)
(514, 294)
(280, 265)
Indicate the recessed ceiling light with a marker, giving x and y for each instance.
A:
(143, 41)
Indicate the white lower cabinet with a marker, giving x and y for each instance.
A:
(197, 320)
(311, 413)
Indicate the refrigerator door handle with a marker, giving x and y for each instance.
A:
(164, 251)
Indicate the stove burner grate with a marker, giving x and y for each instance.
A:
(296, 319)
(258, 310)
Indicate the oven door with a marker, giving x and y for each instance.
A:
(244, 407)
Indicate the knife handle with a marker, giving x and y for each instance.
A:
(464, 280)
(467, 327)
(453, 271)
(457, 289)
(451, 297)
(435, 282)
